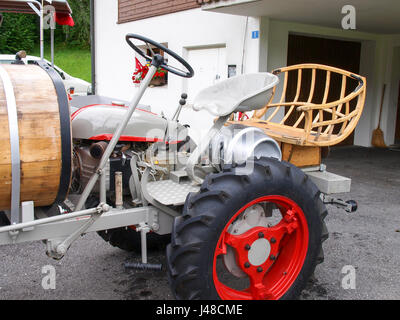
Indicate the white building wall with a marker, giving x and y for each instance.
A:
(200, 29)
(182, 31)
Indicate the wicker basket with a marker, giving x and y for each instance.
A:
(301, 119)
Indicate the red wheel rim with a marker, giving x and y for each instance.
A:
(288, 242)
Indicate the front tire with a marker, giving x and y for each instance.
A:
(254, 231)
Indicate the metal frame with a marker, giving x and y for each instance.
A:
(39, 12)
(14, 145)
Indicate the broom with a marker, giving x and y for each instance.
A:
(377, 135)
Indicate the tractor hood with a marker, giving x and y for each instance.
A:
(99, 122)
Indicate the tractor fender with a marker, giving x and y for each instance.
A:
(238, 143)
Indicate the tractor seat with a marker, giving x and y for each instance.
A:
(238, 94)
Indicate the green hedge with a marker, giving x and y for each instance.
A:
(18, 32)
(21, 31)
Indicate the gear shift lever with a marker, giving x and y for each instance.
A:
(182, 102)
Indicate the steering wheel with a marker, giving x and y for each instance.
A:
(156, 59)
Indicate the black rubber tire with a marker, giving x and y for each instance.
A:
(195, 234)
(129, 239)
(4, 221)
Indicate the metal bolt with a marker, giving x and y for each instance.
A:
(247, 265)
(247, 247)
(273, 240)
(261, 235)
(272, 257)
(259, 269)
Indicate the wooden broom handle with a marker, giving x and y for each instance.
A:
(383, 99)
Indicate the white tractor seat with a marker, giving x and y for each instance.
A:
(238, 94)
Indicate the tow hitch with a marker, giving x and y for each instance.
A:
(349, 206)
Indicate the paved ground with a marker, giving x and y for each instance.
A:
(368, 240)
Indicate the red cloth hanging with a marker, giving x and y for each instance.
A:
(139, 66)
(64, 19)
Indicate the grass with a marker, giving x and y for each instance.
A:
(75, 61)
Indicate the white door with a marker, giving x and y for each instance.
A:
(209, 67)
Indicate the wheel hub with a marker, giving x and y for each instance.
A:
(254, 216)
(255, 247)
(259, 252)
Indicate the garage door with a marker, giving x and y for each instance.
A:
(336, 53)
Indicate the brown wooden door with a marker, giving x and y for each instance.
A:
(397, 135)
(335, 53)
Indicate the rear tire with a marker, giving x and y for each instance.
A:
(200, 235)
(127, 238)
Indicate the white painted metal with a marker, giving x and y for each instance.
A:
(238, 94)
(14, 145)
(259, 252)
(171, 193)
(27, 213)
(63, 226)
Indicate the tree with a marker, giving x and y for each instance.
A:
(18, 32)
(79, 35)
(21, 31)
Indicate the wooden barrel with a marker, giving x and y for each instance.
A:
(35, 139)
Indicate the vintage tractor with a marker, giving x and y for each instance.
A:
(241, 222)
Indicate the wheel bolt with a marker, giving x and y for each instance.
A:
(247, 265)
(272, 257)
(273, 240)
(259, 269)
(261, 235)
(247, 247)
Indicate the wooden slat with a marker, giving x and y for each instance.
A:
(296, 98)
(282, 98)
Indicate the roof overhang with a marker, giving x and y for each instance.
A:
(22, 6)
(372, 16)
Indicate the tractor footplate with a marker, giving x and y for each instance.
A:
(171, 193)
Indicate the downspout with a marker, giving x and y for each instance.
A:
(244, 44)
(93, 45)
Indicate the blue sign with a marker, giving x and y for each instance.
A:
(255, 34)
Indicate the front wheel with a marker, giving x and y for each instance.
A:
(254, 231)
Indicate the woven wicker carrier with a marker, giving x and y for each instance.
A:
(303, 116)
